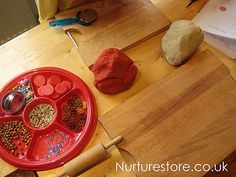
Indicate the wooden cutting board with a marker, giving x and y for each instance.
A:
(122, 24)
(187, 117)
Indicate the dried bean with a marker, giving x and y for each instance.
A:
(74, 115)
(10, 131)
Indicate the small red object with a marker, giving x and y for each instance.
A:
(54, 80)
(61, 88)
(39, 80)
(47, 90)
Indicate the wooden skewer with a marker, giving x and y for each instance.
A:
(114, 141)
(88, 158)
(68, 32)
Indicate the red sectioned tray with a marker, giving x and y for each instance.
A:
(66, 135)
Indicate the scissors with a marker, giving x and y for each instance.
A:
(84, 17)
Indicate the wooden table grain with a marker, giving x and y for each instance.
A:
(44, 46)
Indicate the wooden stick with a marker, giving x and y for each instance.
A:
(114, 141)
(68, 32)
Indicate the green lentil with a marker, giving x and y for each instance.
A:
(41, 115)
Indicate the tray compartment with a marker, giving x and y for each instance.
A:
(51, 144)
(73, 111)
(43, 109)
(51, 84)
(22, 85)
(15, 137)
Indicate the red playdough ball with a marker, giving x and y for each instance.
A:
(114, 72)
(54, 80)
(39, 80)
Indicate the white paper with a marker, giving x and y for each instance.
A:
(227, 46)
(218, 17)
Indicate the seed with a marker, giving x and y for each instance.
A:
(41, 115)
(74, 113)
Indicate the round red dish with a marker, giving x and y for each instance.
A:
(56, 143)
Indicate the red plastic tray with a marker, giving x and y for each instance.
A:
(40, 153)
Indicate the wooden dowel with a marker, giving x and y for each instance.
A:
(68, 32)
(114, 141)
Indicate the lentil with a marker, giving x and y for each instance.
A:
(74, 113)
(41, 115)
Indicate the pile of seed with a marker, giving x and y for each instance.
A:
(74, 113)
(41, 115)
(13, 130)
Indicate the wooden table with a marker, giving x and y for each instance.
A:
(44, 46)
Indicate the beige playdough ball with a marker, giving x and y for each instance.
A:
(181, 41)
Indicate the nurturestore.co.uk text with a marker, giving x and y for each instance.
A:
(168, 167)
